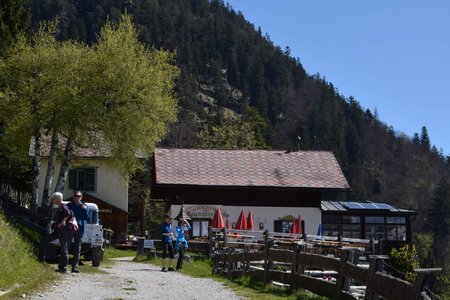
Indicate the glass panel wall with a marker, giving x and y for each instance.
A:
(351, 227)
(331, 225)
(396, 228)
(374, 227)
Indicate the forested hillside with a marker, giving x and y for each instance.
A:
(238, 89)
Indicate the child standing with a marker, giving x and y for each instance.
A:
(181, 243)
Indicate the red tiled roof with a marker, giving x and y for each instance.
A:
(300, 169)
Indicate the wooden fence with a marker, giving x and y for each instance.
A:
(260, 265)
(22, 215)
(294, 262)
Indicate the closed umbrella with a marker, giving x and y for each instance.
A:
(227, 223)
(294, 227)
(250, 221)
(217, 221)
(299, 225)
(319, 230)
(241, 222)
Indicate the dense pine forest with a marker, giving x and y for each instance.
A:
(237, 85)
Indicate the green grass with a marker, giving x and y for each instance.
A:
(252, 289)
(20, 271)
(115, 253)
(22, 274)
(201, 267)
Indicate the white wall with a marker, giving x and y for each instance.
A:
(266, 215)
(111, 186)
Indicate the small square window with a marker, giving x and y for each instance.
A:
(83, 179)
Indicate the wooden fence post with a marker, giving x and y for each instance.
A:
(425, 279)
(303, 248)
(210, 242)
(294, 267)
(376, 264)
(267, 262)
(229, 263)
(342, 283)
(380, 247)
(353, 257)
(214, 261)
(225, 237)
(372, 245)
(244, 261)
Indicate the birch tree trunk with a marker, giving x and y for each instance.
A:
(65, 164)
(50, 169)
(36, 167)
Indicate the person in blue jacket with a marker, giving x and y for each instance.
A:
(81, 213)
(181, 243)
(166, 242)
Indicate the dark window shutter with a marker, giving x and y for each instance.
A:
(277, 226)
(90, 179)
(73, 179)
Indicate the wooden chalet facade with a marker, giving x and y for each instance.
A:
(273, 185)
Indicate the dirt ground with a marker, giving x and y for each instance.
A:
(129, 280)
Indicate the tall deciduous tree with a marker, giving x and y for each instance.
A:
(133, 89)
(14, 19)
(30, 77)
(116, 93)
(127, 99)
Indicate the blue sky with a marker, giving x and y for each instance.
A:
(390, 55)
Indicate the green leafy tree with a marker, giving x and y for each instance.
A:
(133, 89)
(14, 19)
(424, 246)
(14, 168)
(229, 135)
(31, 79)
(116, 93)
(127, 101)
(439, 212)
(404, 261)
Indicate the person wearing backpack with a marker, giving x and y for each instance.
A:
(62, 232)
(81, 214)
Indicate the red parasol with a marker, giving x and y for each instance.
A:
(241, 222)
(217, 221)
(250, 221)
(299, 225)
(227, 223)
(294, 227)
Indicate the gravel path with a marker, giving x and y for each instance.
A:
(130, 280)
